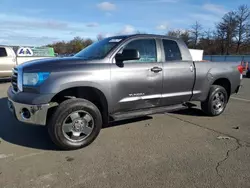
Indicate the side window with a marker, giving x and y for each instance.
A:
(3, 52)
(172, 51)
(146, 48)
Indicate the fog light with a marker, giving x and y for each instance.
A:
(25, 113)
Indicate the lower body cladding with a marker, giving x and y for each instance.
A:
(31, 114)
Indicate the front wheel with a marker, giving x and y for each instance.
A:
(75, 124)
(216, 101)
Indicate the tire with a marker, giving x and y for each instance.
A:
(67, 111)
(248, 74)
(209, 107)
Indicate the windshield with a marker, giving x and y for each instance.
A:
(101, 48)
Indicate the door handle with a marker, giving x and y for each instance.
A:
(191, 68)
(156, 69)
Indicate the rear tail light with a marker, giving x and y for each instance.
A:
(241, 69)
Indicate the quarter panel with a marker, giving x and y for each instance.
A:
(208, 72)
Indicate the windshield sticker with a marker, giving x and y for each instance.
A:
(115, 40)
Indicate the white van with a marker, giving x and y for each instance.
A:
(12, 56)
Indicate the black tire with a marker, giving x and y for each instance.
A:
(62, 112)
(208, 106)
(248, 74)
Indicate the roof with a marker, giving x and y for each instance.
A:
(147, 35)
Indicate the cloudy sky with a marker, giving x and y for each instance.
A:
(30, 22)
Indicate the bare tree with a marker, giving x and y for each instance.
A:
(174, 33)
(100, 37)
(184, 35)
(243, 14)
(196, 33)
(206, 42)
(247, 42)
(220, 37)
(227, 30)
(208, 34)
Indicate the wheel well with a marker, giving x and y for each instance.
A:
(89, 93)
(224, 82)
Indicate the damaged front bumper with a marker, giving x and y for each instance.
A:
(31, 114)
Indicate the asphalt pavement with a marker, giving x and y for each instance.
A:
(173, 150)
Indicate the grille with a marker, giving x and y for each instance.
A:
(14, 80)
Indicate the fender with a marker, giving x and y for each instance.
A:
(60, 81)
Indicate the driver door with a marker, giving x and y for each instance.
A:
(137, 84)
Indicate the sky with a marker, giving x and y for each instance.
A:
(35, 23)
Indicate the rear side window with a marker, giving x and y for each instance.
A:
(3, 52)
(146, 48)
(172, 51)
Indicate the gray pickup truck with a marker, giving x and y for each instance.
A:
(116, 78)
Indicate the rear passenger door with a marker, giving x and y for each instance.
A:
(178, 75)
(138, 83)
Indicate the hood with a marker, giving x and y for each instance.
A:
(48, 64)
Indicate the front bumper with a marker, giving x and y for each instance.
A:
(37, 113)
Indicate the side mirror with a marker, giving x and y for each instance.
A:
(128, 54)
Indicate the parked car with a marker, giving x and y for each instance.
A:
(9, 58)
(117, 78)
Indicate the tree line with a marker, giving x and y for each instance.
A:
(70, 47)
(230, 36)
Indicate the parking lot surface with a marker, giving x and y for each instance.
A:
(181, 149)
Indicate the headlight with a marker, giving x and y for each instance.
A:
(34, 79)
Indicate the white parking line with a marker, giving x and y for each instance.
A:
(240, 99)
(3, 156)
(29, 155)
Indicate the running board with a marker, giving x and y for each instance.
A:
(148, 111)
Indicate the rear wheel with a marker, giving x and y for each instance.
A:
(75, 124)
(216, 101)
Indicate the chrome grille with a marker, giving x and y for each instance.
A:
(14, 80)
